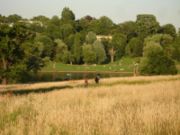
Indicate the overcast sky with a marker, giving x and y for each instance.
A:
(166, 11)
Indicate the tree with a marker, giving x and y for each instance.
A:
(104, 26)
(14, 55)
(90, 38)
(164, 40)
(47, 45)
(41, 18)
(61, 51)
(146, 25)
(128, 28)
(176, 48)
(168, 29)
(14, 18)
(89, 55)
(76, 49)
(84, 23)
(66, 30)
(117, 46)
(67, 15)
(135, 47)
(155, 62)
(100, 52)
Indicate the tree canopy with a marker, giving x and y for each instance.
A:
(25, 44)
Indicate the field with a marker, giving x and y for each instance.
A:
(117, 106)
(126, 64)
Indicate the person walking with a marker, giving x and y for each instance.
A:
(97, 78)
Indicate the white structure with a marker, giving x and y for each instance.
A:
(100, 37)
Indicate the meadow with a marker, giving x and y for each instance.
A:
(116, 106)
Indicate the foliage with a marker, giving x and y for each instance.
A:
(176, 49)
(90, 38)
(104, 26)
(119, 44)
(168, 29)
(67, 14)
(77, 49)
(100, 52)
(89, 55)
(146, 25)
(47, 45)
(61, 51)
(16, 53)
(25, 44)
(128, 28)
(135, 47)
(155, 62)
(162, 39)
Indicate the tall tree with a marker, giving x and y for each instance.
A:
(100, 52)
(135, 47)
(89, 55)
(168, 29)
(105, 25)
(14, 18)
(67, 15)
(14, 56)
(77, 49)
(61, 51)
(155, 62)
(90, 38)
(47, 45)
(146, 25)
(117, 46)
(128, 28)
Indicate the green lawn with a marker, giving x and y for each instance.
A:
(126, 64)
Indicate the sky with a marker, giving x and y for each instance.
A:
(166, 11)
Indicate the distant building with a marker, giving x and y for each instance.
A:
(100, 37)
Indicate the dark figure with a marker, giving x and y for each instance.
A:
(86, 83)
(97, 78)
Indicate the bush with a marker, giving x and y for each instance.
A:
(155, 62)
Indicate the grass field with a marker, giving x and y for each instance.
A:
(125, 64)
(117, 106)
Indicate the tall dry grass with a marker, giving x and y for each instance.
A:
(121, 109)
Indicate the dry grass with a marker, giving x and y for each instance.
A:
(111, 109)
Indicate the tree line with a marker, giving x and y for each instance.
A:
(27, 44)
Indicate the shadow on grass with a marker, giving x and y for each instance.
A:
(29, 91)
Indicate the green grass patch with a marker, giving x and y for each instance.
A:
(126, 64)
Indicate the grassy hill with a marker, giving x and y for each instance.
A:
(131, 105)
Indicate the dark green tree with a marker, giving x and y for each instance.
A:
(117, 46)
(155, 62)
(15, 55)
(135, 47)
(168, 29)
(14, 18)
(53, 28)
(146, 25)
(176, 48)
(104, 26)
(67, 15)
(128, 28)
(47, 45)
